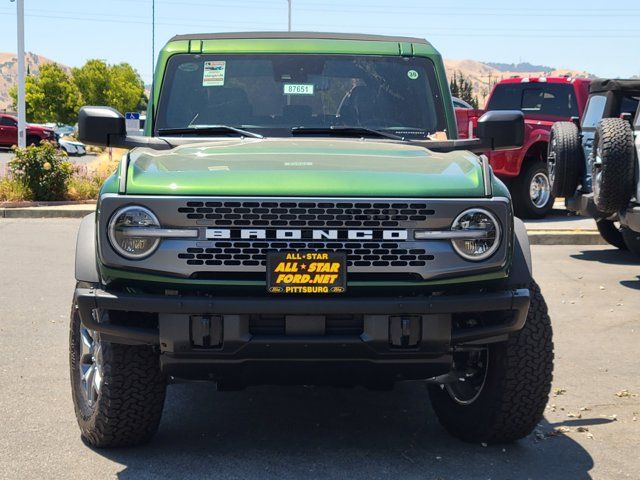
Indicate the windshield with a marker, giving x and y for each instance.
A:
(272, 94)
(535, 99)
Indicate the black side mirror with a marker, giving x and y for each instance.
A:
(106, 127)
(501, 129)
(101, 126)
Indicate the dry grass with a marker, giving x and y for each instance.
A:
(12, 191)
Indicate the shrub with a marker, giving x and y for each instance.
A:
(42, 170)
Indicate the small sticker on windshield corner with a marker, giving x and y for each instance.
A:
(213, 73)
(298, 88)
(412, 74)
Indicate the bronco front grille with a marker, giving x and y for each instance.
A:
(234, 234)
(306, 213)
(359, 254)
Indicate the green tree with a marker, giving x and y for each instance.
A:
(92, 79)
(462, 88)
(50, 96)
(118, 86)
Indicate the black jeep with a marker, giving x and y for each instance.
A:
(594, 164)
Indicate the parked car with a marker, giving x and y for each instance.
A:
(466, 117)
(544, 101)
(357, 244)
(9, 132)
(71, 146)
(64, 130)
(594, 163)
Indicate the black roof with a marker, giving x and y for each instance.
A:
(299, 35)
(615, 84)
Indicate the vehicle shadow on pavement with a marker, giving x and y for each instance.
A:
(635, 284)
(610, 256)
(322, 432)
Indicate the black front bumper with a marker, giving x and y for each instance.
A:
(89, 299)
(248, 353)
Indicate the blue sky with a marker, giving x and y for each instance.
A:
(584, 35)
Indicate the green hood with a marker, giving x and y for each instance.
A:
(304, 167)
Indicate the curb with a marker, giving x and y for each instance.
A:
(44, 212)
(565, 237)
(31, 204)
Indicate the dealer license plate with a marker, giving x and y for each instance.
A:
(306, 272)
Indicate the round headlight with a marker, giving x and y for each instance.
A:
(484, 234)
(127, 232)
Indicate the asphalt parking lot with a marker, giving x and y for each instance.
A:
(591, 427)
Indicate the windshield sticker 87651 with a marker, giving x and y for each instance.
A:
(298, 88)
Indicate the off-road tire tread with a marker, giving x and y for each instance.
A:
(129, 407)
(514, 404)
(616, 186)
(569, 158)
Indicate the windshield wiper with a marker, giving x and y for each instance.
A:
(208, 129)
(345, 131)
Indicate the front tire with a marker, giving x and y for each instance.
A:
(510, 393)
(118, 390)
(531, 191)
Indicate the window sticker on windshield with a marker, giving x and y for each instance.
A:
(298, 89)
(213, 74)
(412, 74)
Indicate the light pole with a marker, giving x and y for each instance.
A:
(22, 121)
(289, 1)
(153, 36)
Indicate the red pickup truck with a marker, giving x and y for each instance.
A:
(544, 101)
(9, 132)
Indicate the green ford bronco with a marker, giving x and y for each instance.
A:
(300, 211)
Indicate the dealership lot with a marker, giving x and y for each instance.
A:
(591, 427)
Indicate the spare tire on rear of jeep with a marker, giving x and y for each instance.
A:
(613, 165)
(565, 159)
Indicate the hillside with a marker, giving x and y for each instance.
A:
(9, 73)
(482, 75)
(519, 67)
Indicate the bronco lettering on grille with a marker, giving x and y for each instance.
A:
(300, 234)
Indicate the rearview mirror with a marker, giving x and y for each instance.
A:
(501, 129)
